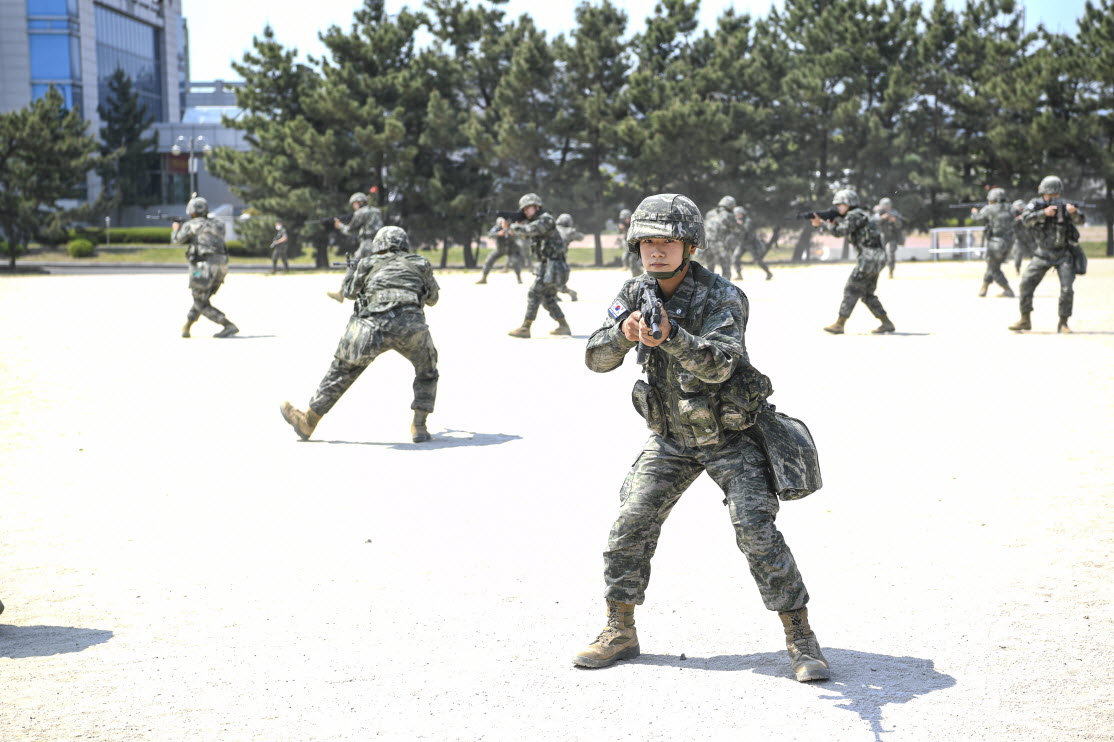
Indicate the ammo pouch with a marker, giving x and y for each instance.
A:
(648, 404)
(742, 397)
(790, 454)
(359, 338)
(1078, 260)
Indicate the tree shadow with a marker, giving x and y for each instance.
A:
(21, 642)
(447, 438)
(862, 682)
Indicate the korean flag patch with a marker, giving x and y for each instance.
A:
(618, 309)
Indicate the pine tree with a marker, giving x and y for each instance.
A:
(127, 177)
(1094, 54)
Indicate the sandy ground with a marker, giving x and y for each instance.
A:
(176, 565)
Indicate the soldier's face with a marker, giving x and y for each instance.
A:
(661, 255)
(530, 210)
(842, 208)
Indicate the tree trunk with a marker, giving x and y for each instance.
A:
(599, 250)
(1109, 221)
(445, 254)
(800, 250)
(469, 259)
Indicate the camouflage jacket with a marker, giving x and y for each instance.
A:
(889, 231)
(695, 375)
(719, 229)
(568, 235)
(1053, 234)
(1000, 224)
(204, 239)
(388, 280)
(744, 236)
(857, 226)
(365, 223)
(541, 232)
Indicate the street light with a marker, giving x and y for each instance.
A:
(198, 142)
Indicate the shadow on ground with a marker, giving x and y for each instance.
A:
(862, 682)
(21, 642)
(441, 439)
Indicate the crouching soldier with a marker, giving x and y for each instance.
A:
(705, 405)
(391, 287)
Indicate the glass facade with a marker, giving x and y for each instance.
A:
(52, 34)
(136, 48)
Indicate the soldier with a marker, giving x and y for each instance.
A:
(1023, 244)
(721, 231)
(365, 224)
(854, 223)
(208, 259)
(746, 240)
(888, 221)
(551, 271)
(702, 394)
(391, 287)
(1051, 221)
(631, 262)
(505, 244)
(279, 247)
(569, 234)
(1000, 221)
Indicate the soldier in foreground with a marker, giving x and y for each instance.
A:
(855, 224)
(1000, 223)
(365, 224)
(551, 272)
(721, 231)
(279, 247)
(631, 262)
(746, 240)
(569, 234)
(203, 236)
(505, 246)
(391, 287)
(702, 393)
(1023, 244)
(1052, 222)
(888, 221)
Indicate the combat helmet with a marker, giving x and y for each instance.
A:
(886, 203)
(565, 220)
(668, 216)
(1017, 205)
(530, 199)
(358, 198)
(996, 195)
(845, 196)
(1051, 185)
(739, 211)
(727, 202)
(197, 206)
(390, 238)
(624, 214)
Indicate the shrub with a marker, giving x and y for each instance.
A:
(80, 248)
(124, 235)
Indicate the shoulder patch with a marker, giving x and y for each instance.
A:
(618, 309)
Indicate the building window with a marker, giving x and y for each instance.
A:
(52, 7)
(136, 48)
(52, 36)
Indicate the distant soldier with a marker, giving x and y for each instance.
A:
(889, 223)
(1052, 222)
(1024, 246)
(391, 286)
(279, 247)
(365, 224)
(551, 272)
(505, 246)
(631, 261)
(1000, 227)
(855, 224)
(746, 240)
(720, 230)
(569, 234)
(208, 259)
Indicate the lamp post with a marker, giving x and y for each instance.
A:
(193, 143)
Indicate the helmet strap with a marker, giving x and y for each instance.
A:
(671, 274)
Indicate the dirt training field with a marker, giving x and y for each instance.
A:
(177, 566)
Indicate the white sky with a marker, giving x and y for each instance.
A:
(218, 35)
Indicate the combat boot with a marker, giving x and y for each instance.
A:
(804, 650)
(1063, 326)
(302, 422)
(836, 328)
(985, 286)
(1007, 293)
(891, 272)
(228, 331)
(483, 280)
(418, 431)
(1022, 324)
(886, 326)
(335, 296)
(521, 332)
(562, 328)
(769, 276)
(186, 328)
(617, 641)
(573, 296)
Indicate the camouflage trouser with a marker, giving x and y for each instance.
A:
(544, 292)
(891, 254)
(658, 478)
(201, 305)
(633, 261)
(862, 284)
(755, 253)
(415, 346)
(278, 252)
(1022, 248)
(1034, 272)
(513, 257)
(996, 254)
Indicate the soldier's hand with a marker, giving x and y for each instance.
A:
(815, 220)
(336, 223)
(647, 339)
(1050, 211)
(630, 326)
(1071, 208)
(174, 226)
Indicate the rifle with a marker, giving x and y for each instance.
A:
(827, 216)
(510, 216)
(161, 217)
(650, 306)
(967, 205)
(327, 221)
(348, 263)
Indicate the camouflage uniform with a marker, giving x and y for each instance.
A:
(889, 223)
(1024, 246)
(1000, 222)
(208, 259)
(505, 245)
(551, 272)
(721, 230)
(856, 225)
(745, 240)
(569, 234)
(1055, 238)
(279, 247)
(391, 287)
(631, 261)
(365, 224)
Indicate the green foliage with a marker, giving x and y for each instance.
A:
(256, 234)
(80, 248)
(129, 156)
(123, 235)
